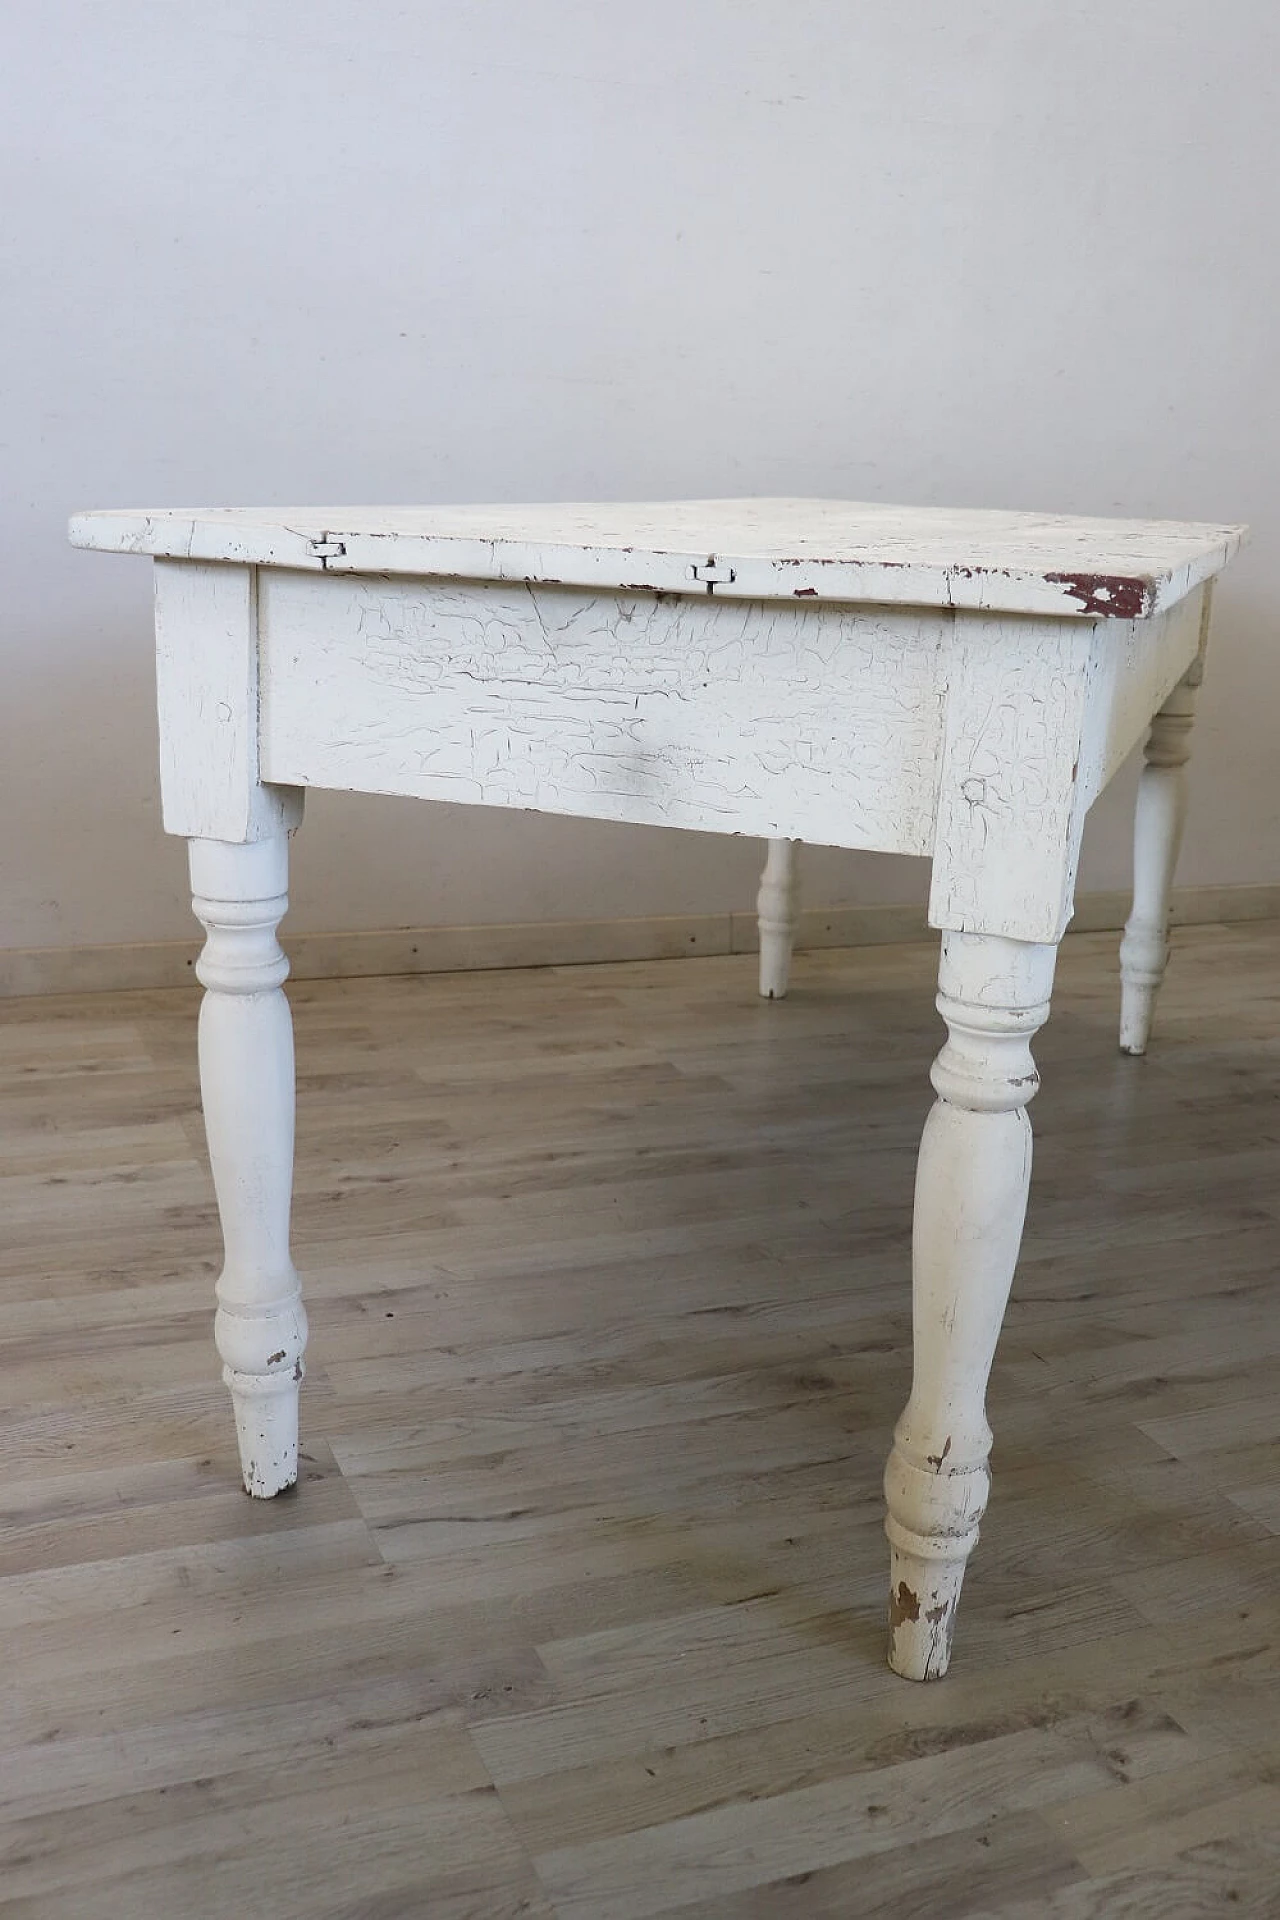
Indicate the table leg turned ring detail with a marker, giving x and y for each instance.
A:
(247, 1085)
(971, 1195)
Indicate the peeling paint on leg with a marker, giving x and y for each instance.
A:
(942, 1619)
(904, 1605)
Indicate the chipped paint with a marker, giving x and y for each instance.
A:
(904, 1605)
(913, 556)
(1115, 596)
(936, 727)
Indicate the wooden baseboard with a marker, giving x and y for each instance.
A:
(558, 943)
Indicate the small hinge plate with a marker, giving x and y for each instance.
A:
(710, 573)
(324, 549)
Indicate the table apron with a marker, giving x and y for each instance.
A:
(821, 723)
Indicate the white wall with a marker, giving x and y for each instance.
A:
(1010, 253)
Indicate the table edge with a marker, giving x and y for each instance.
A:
(1128, 595)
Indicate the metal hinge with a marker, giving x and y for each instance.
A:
(324, 549)
(711, 573)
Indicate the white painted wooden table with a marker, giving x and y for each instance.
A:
(955, 685)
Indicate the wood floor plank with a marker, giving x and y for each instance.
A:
(956, 1876)
(749, 1842)
(578, 1612)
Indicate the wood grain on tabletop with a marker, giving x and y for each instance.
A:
(579, 1608)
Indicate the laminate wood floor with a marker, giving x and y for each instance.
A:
(578, 1611)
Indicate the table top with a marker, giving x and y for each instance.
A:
(811, 550)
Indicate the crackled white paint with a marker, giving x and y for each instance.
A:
(762, 549)
(1039, 716)
(1136, 666)
(819, 723)
(207, 691)
(1008, 826)
(974, 718)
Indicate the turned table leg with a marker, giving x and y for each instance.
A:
(971, 1195)
(776, 906)
(1157, 835)
(246, 1081)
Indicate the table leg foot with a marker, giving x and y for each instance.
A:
(923, 1597)
(971, 1196)
(777, 905)
(266, 1410)
(1157, 836)
(247, 1086)
(1137, 1012)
